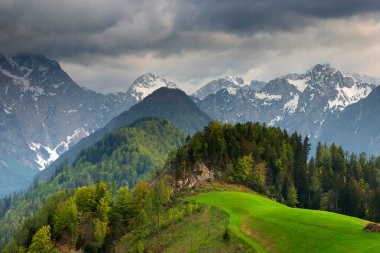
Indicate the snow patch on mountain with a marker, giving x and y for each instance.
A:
(238, 81)
(300, 84)
(16, 79)
(231, 90)
(6, 111)
(46, 154)
(267, 96)
(24, 82)
(347, 96)
(291, 105)
(275, 120)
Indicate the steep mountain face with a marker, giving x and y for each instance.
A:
(43, 112)
(357, 127)
(171, 104)
(297, 102)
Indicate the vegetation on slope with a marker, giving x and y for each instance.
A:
(267, 160)
(274, 163)
(272, 227)
(91, 217)
(202, 231)
(121, 158)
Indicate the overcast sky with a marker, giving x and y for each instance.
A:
(105, 44)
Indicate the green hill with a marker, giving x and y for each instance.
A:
(272, 227)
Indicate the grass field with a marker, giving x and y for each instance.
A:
(271, 227)
(200, 232)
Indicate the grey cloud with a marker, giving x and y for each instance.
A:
(71, 28)
(189, 41)
(247, 17)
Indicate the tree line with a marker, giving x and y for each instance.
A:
(274, 163)
(92, 217)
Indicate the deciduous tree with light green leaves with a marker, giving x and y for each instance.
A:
(41, 242)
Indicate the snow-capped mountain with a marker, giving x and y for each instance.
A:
(146, 84)
(43, 112)
(356, 128)
(297, 102)
(230, 83)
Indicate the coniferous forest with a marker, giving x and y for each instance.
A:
(279, 165)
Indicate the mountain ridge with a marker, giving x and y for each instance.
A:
(171, 104)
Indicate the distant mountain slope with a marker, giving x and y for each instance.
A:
(357, 127)
(171, 104)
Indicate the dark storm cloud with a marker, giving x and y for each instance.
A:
(69, 28)
(247, 17)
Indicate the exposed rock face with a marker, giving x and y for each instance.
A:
(200, 174)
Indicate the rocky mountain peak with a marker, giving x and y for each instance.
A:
(146, 84)
(325, 76)
(33, 74)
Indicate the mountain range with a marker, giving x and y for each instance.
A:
(44, 112)
(296, 102)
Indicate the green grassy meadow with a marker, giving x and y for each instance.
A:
(201, 232)
(272, 227)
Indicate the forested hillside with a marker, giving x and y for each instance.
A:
(121, 158)
(274, 163)
(109, 216)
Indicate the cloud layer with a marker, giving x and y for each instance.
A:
(106, 44)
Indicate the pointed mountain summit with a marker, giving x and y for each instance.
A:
(146, 84)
